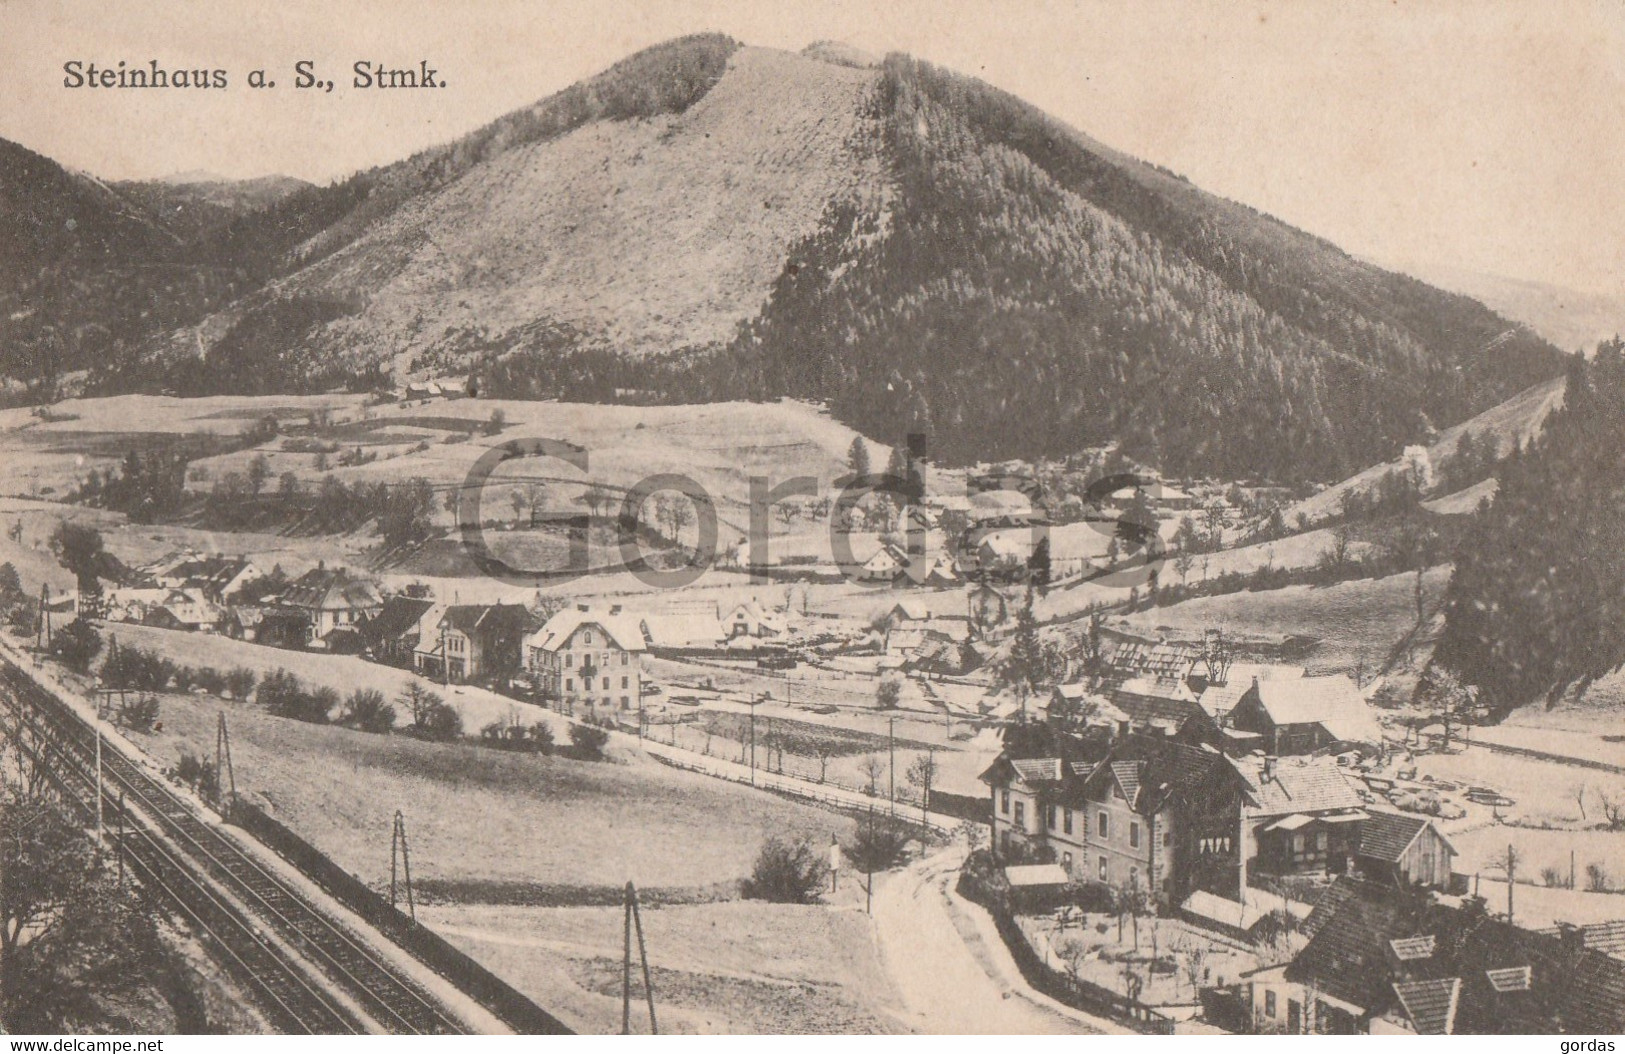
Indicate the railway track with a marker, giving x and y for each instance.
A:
(198, 860)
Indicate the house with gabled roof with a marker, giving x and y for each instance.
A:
(582, 657)
(1302, 715)
(1302, 816)
(464, 642)
(1397, 961)
(749, 619)
(1405, 849)
(330, 599)
(216, 577)
(1138, 812)
(392, 635)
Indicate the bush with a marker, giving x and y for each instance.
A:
(282, 694)
(240, 682)
(367, 710)
(785, 874)
(888, 695)
(1597, 878)
(588, 741)
(76, 645)
(879, 844)
(199, 774)
(541, 737)
(439, 722)
(139, 713)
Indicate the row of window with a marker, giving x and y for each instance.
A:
(586, 684)
(1103, 870)
(603, 659)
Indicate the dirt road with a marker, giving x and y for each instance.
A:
(950, 977)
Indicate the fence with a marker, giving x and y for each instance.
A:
(501, 998)
(830, 794)
(1075, 992)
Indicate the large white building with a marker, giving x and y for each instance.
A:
(583, 657)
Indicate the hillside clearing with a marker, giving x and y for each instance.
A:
(1357, 623)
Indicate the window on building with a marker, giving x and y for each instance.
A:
(1049, 817)
(1103, 824)
(1269, 1002)
(1066, 862)
(626, 703)
(1021, 814)
(1134, 878)
(626, 658)
(1066, 820)
(1133, 835)
(569, 684)
(569, 661)
(586, 638)
(606, 684)
(626, 682)
(1105, 870)
(1167, 837)
(1004, 802)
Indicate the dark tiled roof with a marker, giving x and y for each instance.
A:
(1153, 769)
(1431, 1005)
(1606, 937)
(488, 618)
(398, 616)
(329, 590)
(1346, 957)
(1146, 709)
(1302, 785)
(1385, 836)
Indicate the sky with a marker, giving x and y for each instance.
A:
(1485, 136)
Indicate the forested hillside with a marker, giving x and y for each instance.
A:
(1537, 602)
(1037, 292)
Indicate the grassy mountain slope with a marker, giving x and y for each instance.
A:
(639, 235)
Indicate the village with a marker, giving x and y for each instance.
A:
(1175, 830)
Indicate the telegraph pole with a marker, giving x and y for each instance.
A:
(398, 851)
(121, 838)
(891, 741)
(225, 776)
(634, 919)
(98, 777)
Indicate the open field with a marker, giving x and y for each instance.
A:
(740, 966)
(483, 815)
(1544, 790)
(721, 447)
(1537, 906)
(1483, 851)
(1358, 622)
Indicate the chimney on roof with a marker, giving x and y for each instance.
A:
(583, 608)
(615, 609)
(1572, 937)
(1269, 767)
